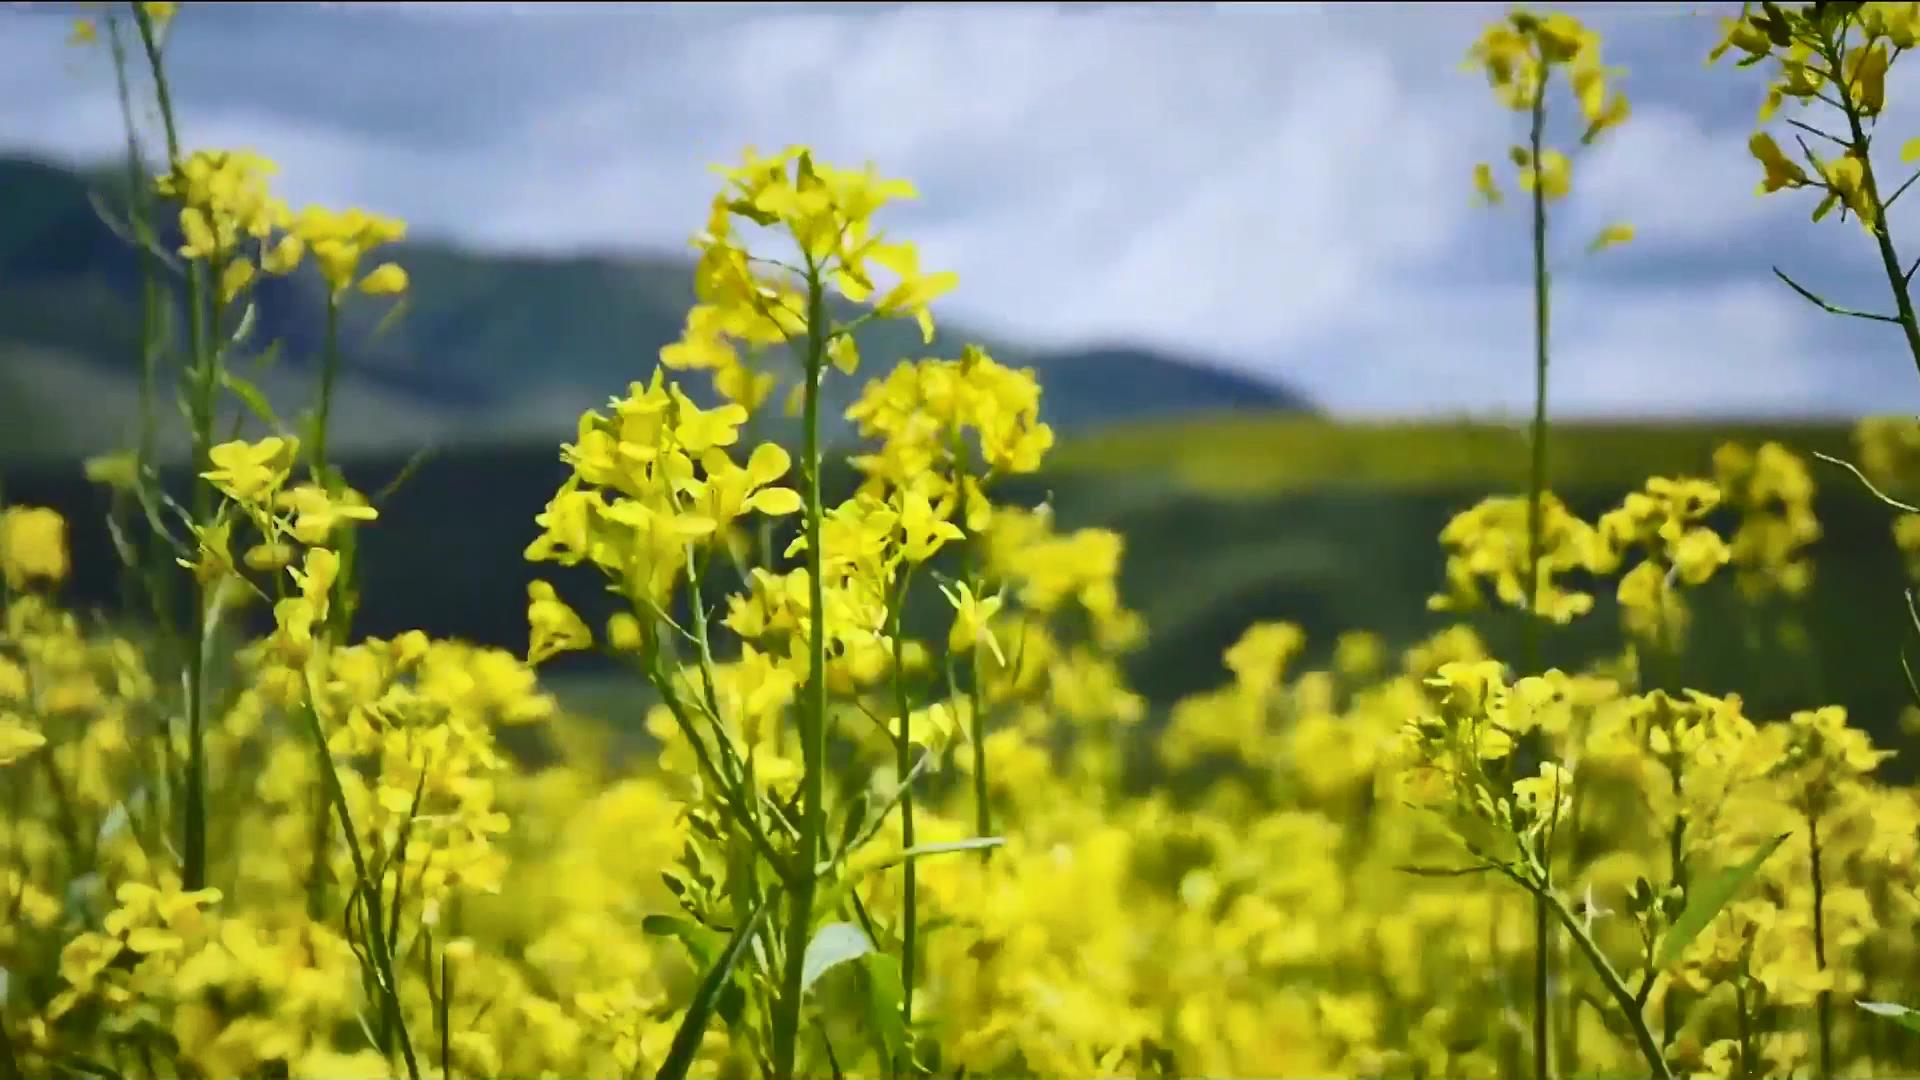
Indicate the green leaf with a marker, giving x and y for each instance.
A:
(885, 994)
(390, 320)
(1899, 1014)
(249, 318)
(693, 1026)
(1705, 900)
(853, 823)
(921, 851)
(1910, 150)
(752, 213)
(250, 395)
(406, 472)
(700, 941)
(832, 944)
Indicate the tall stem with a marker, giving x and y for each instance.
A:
(1882, 233)
(202, 385)
(813, 712)
(373, 918)
(337, 613)
(982, 807)
(902, 765)
(1536, 492)
(1823, 1005)
(1615, 985)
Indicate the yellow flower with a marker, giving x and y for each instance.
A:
(971, 614)
(387, 279)
(17, 740)
(317, 514)
(1555, 173)
(1865, 77)
(33, 546)
(556, 628)
(1781, 173)
(1846, 183)
(250, 472)
(1612, 236)
(1484, 186)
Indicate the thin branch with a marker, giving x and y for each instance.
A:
(1810, 129)
(1830, 308)
(1897, 192)
(1868, 484)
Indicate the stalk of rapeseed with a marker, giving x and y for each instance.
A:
(813, 710)
(202, 384)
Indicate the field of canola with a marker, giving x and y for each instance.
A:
(871, 844)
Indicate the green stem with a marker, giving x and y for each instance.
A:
(813, 712)
(1616, 986)
(323, 412)
(1745, 1020)
(983, 810)
(1882, 233)
(1824, 1003)
(149, 286)
(902, 765)
(69, 824)
(202, 384)
(370, 891)
(1677, 871)
(1536, 493)
(446, 1015)
(9, 1065)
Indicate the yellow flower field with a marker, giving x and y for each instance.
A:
(870, 844)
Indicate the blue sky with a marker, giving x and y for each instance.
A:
(1281, 189)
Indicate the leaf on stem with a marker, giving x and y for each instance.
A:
(832, 945)
(693, 1026)
(252, 398)
(1899, 1014)
(1705, 901)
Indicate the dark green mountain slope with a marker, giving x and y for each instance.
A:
(490, 346)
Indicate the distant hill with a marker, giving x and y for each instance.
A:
(1090, 388)
(490, 347)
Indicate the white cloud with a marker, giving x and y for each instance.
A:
(1684, 184)
(1284, 188)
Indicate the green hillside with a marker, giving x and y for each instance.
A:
(1334, 526)
(489, 346)
(1251, 455)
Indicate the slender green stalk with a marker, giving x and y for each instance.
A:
(323, 412)
(69, 823)
(158, 573)
(983, 809)
(369, 891)
(1536, 492)
(1882, 232)
(1615, 985)
(9, 1065)
(1745, 1020)
(337, 613)
(902, 765)
(1823, 1005)
(149, 285)
(202, 384)
(1677, 870)
(813, 712)
(446, 1015)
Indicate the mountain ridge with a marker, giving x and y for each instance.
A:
(490, 345)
